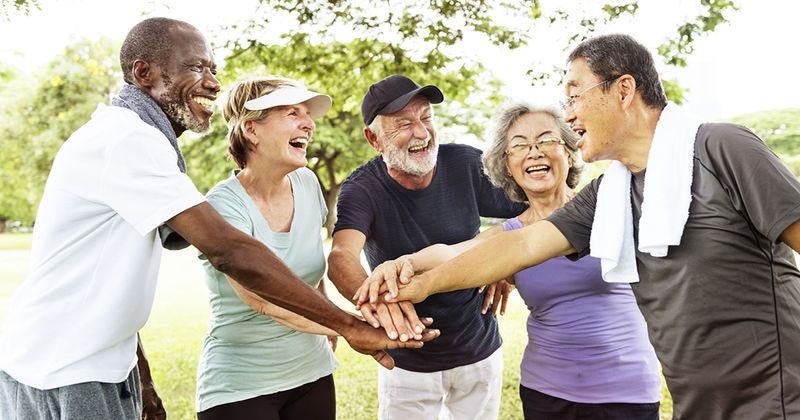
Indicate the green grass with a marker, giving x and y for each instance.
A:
(173, 336)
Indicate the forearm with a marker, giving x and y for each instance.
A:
(345, 272)
(264, 274)
(144, 366)
(499, 256)
(283, 316)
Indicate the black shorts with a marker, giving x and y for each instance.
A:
(539, 406)
(314, 400)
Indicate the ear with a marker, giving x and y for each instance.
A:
(145, 75)
(373, 140)
(249, 130)
(627, 89)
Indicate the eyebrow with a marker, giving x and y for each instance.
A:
(545, 133)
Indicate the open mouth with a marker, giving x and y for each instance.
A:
(300, 143)
(537, 169)
(419, 146)
(205, 103)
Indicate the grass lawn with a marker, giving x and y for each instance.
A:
(173, 336)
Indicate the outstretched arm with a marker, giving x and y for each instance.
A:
(251, 264)
(392, 273)
(283, 316)
(497, 257)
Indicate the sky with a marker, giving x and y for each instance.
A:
(746, 65)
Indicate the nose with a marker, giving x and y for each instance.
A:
(534, 148)
(307, 123)
(210, 82)
(420, 131)
(569, 115)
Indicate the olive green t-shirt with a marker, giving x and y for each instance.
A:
(246, 354)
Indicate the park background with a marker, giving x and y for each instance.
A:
(723, 60)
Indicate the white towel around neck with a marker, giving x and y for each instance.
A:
(665, 202)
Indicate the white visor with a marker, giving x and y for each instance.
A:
(317, 103)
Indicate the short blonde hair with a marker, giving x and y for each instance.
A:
(236, 114)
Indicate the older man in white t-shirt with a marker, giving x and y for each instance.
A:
(69, 348)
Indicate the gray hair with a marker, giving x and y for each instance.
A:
(611, 56)
(494, 158)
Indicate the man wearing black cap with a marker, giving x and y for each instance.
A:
(418, 193)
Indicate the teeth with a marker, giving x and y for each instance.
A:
(208, 103)
(418, 145)
(537, 168)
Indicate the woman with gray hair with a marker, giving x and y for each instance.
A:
(588, 354)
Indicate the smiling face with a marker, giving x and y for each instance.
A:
(594, 115)
(188, 86)
(537, 172)
(408, 140)
(281, 138)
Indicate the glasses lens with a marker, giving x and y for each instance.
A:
(547, 145)
(519, 149)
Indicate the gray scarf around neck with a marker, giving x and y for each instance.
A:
(147, 109)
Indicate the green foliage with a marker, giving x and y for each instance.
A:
(40, 112)
(675, 50)
(779, 128)
(24, 6)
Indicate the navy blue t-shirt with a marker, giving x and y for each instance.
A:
(398, 221)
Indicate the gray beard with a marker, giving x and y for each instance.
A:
(178, 110)
(400, 159)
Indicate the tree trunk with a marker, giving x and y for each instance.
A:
(330, 201)
(3, 224)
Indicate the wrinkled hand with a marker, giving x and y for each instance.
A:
(497, 295)
(152, 407)
(399, 319)
(385, 277)
(415, 291)
(367, 340)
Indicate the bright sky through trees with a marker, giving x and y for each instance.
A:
(746, 65)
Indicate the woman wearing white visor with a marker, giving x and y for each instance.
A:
(259, 360)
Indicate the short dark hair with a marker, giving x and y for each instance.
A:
(149, 40)
(611, 56)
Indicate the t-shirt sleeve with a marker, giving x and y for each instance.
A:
(353, 209)
(574, 220)
(317, 192)
(142, 183)
(758, 183)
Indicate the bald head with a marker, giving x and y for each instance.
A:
(150, 40)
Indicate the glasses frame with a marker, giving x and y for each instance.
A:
(569, 101)
(536, 144)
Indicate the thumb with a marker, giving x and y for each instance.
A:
(383, 359)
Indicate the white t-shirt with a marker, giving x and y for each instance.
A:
(95, 254)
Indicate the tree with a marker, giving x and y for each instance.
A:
(341, 47)
(41, 111)
(780, 129)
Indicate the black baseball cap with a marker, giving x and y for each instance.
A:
(392, 94)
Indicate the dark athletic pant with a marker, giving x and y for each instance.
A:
(315, 400)
(84, 401)
(539, 406)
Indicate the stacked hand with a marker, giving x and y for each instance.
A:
(365, 339)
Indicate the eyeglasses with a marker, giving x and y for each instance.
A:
(569, 101)
(546, 145)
